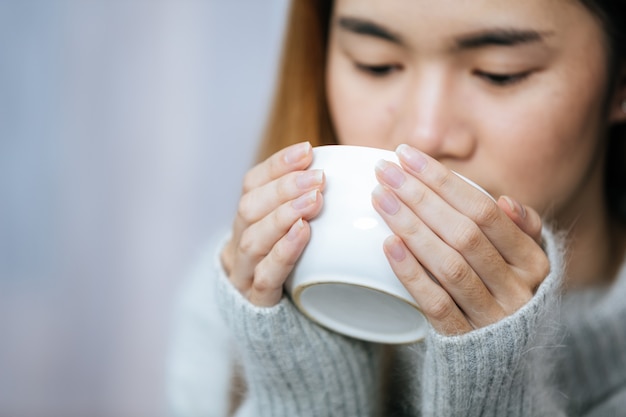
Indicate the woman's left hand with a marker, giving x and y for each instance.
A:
(485, 256)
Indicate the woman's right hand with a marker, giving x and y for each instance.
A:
(271, 227)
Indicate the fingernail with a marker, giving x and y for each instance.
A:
(386, 200)
(309, 179)
(522, 210)
(395, 249)
(515, 206)
(297, 152)
(305, 200)
(390, 173)
(412, 157)
(294, 231)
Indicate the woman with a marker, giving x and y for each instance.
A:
(524, 98)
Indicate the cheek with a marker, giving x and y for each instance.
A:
(563, 130)
(363, 124)
(552, 139)
(359, 117)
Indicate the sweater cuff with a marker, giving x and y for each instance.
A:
(499, 369)
(293, 366)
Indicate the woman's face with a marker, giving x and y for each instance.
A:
(509, 93)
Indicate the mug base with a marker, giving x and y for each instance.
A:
(362, 312)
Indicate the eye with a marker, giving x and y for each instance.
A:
(377, 70)
(502, 80)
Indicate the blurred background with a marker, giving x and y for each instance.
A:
(126, 127)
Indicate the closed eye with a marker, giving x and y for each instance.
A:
(502, 80)
(377, 70)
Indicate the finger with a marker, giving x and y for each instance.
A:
(449, 228)
(511, 242)
(270, 274)
(258, 240)
(292, 158)
(524, 217)
(434, 302)
(259, 202)
(529, 221)
(227, 257)
(511, 285)
(450, 269)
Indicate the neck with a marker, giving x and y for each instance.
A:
(596, 247)
(592, 259)
(596, 239)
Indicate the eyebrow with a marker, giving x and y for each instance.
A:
(500, 37)
(369, 28)
(480, 39)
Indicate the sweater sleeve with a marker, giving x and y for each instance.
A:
(503, 369)
(294, 367)
(200, 359)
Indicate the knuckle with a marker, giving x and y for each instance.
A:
(533, 277)
(418, 197)
(454, 271)
(275, 164)
(440, 307)
(410, 279)
(441, 179)
(413, 229)
(266, 279)
(248, 244)
(469, 238)
(245, 209)
(283, 217)
(263, 281)
(542, 267)
(284, 188)
(281, 255)
(485, 213)
(249, 181)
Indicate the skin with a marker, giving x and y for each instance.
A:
(508, 93)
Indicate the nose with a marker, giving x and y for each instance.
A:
(431, 117)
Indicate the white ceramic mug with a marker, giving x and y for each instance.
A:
(343, 280)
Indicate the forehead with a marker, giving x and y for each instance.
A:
(459, 7)
(437, 18)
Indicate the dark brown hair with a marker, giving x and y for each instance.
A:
(612, 15)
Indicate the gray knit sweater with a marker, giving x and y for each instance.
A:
(547, 359)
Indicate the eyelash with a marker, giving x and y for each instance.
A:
(502, 80)
(377, 70)
(498, 80)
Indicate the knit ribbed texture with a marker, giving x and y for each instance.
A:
(593, 367)
(502, 369)
(533, 363)
(296, 368)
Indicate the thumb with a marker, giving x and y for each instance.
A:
(523, 216)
